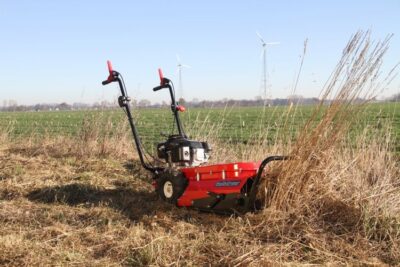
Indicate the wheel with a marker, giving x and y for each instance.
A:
(171, 185)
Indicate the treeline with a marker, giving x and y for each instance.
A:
(394, 98)
(250, 103)
(144, 103)
(46, 107)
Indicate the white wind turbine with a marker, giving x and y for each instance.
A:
(266, 92)
(179, 70)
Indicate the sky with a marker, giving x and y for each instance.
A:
(56, 51)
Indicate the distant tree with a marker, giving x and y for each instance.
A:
(182, 101)
(395, 97)
(37, 107)
(164, 104)
(63, 106)
(134, 103)
(144, 103)
(12, 105)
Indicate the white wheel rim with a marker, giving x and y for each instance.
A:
(168, 189)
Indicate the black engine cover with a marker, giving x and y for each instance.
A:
(180, 149)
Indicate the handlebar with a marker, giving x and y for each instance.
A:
(105, 82)
(112, 74)
(164, 82)
(159, 88)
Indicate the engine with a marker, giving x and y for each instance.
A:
(179, 151)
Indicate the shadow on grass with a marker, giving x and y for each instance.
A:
(135, 168)
(133, 204)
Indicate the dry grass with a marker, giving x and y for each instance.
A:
(355, 76)
(78, 201)
(62, 209)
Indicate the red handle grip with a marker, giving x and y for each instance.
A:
(110, 75)
(110, 69)
(180, 108)
(161, 76)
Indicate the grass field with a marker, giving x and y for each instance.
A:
(231, 124)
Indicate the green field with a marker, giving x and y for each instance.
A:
(231, 124)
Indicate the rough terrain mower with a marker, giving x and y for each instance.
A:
(184, 179)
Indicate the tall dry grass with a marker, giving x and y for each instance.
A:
(4, 136)
(355, 77)
(351, 183)
(98, 136)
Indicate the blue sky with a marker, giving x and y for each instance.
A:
(56, 51)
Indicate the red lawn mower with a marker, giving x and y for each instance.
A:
(184, 179)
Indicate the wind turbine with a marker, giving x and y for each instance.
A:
(264, 58)
(179, 70)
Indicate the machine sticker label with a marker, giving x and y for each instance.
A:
(227, 183)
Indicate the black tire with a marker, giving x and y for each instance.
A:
(171, 185)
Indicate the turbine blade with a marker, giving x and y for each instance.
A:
(178, 59)
(186, 66)
(261, 38)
